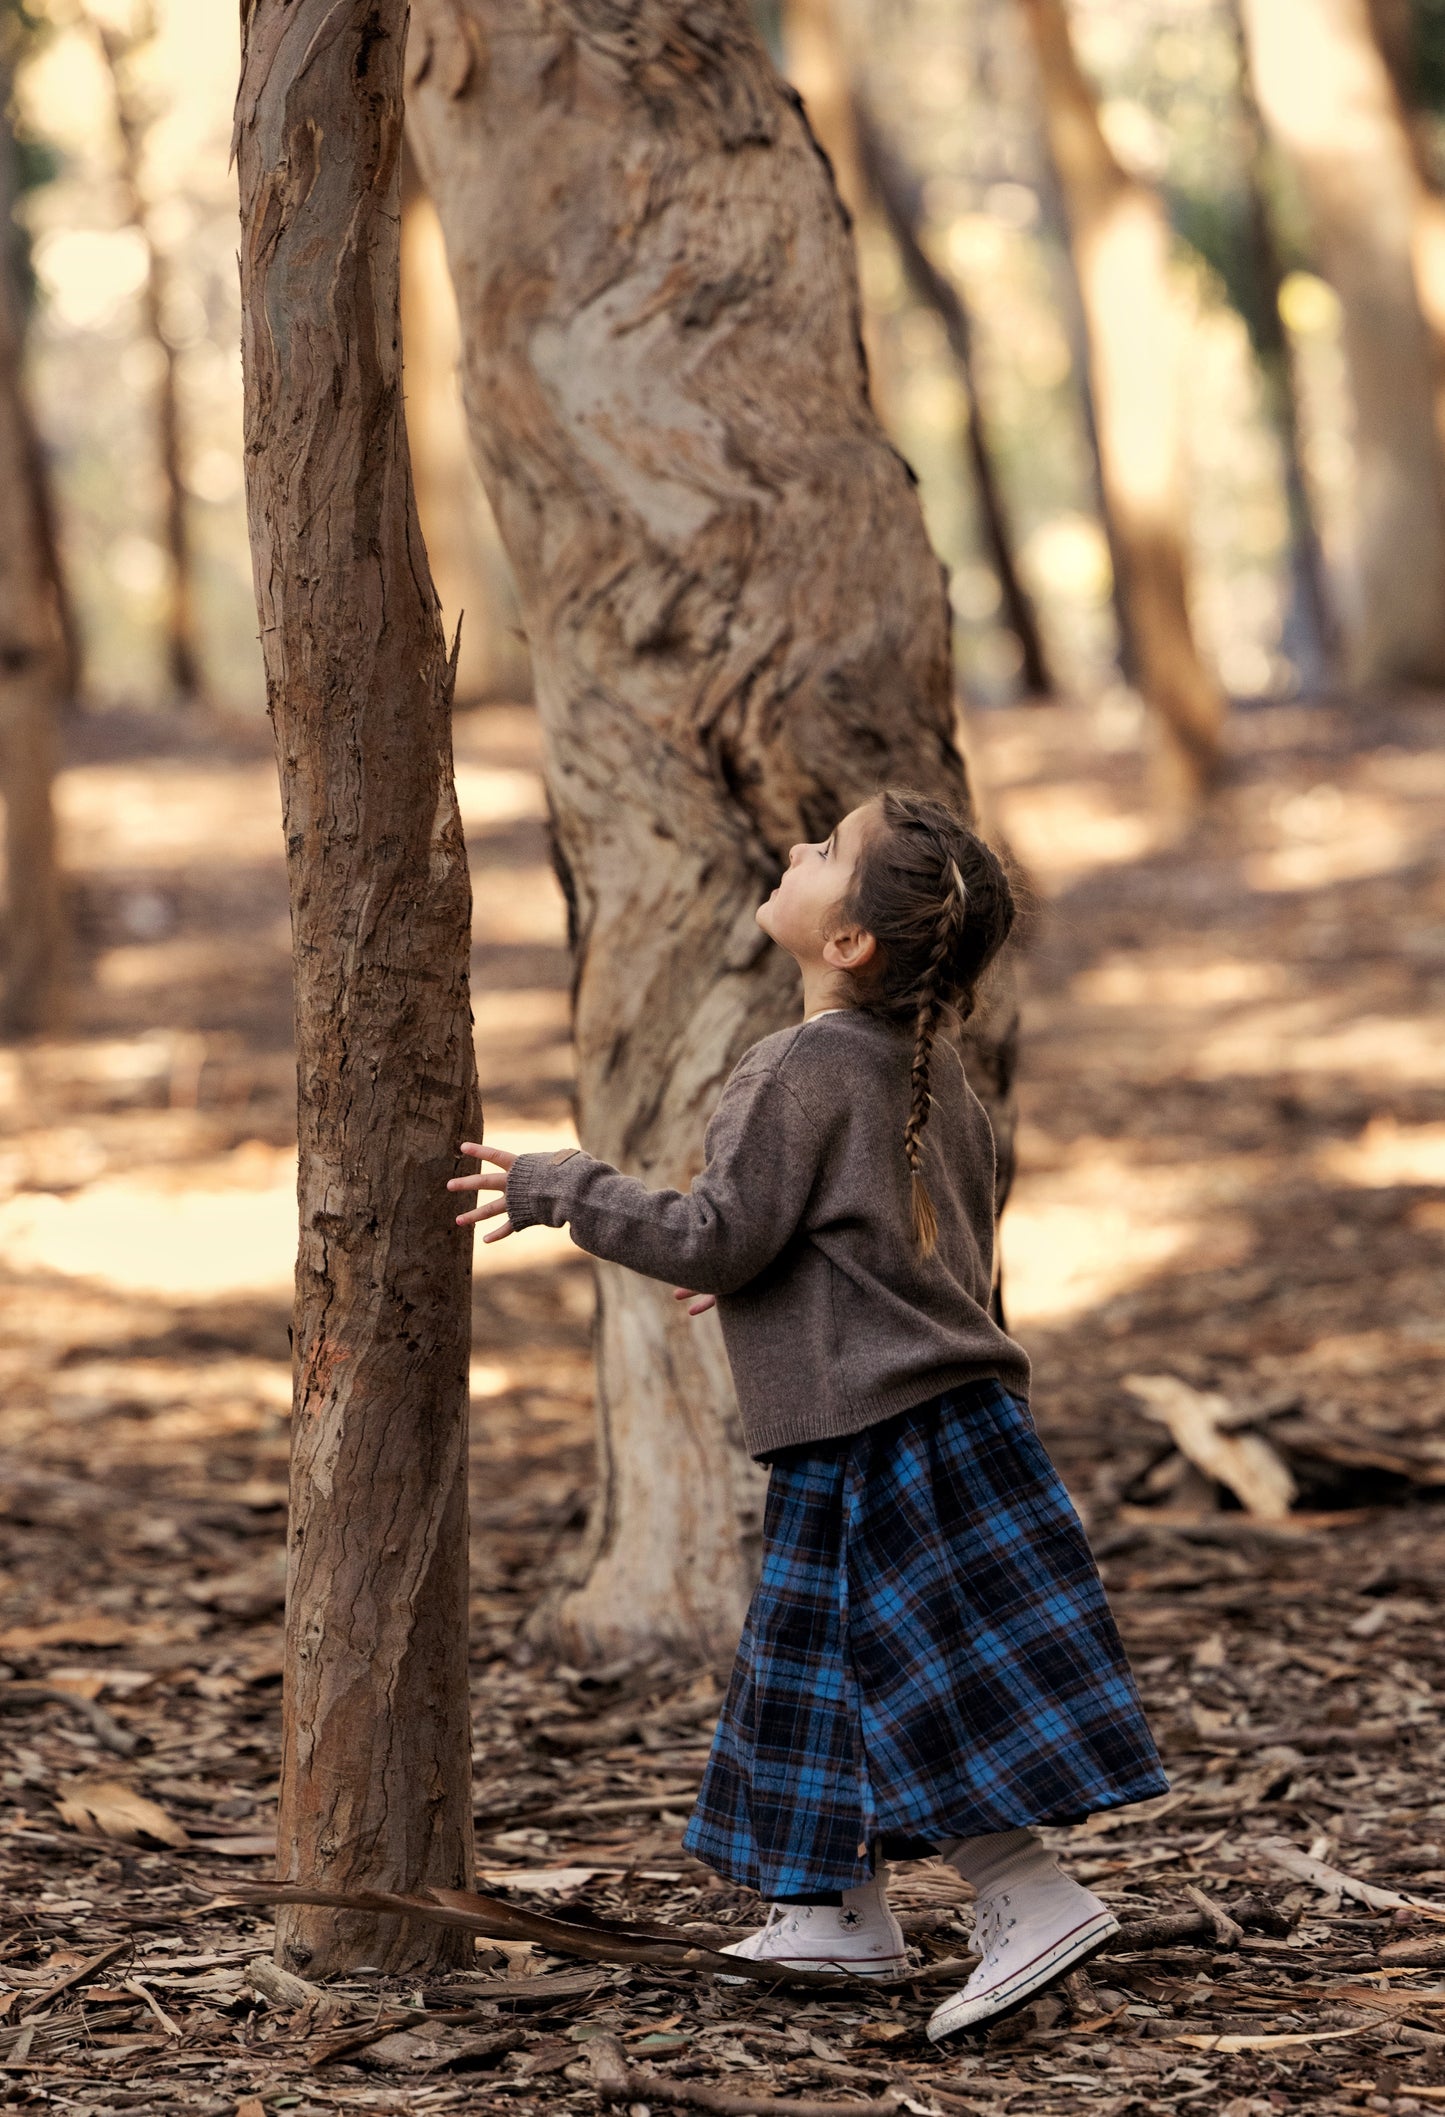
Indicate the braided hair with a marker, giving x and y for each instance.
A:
(938, 903)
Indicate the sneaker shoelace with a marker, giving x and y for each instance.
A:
(994, 1924)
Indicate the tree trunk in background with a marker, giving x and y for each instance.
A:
(897, 194)
(1120, 239)
(816, 63)
(183, 659)
(1338, 120)
(463, 549)
(1394, 28)
(375, 1766)
(33, 671)
(738, 632)
(1311, 633)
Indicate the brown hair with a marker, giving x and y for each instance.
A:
(938, 903)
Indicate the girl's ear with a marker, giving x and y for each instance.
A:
(851, 949)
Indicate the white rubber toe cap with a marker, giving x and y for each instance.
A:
(966, 2009)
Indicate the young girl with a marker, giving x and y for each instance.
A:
(929, 1663)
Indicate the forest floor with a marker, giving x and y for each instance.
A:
(1232, 1157)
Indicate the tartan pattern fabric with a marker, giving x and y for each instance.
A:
(929, 1654)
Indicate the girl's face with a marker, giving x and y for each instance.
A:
(800, 915)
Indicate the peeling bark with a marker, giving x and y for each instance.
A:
(1119, 235)
(375, 1772)
(738, 631)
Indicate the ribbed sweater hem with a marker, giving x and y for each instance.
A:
(784, 1430)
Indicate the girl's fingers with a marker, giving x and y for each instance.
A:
(502, 1156)
(496, 1234)
(486, 1212)
(485, 1181)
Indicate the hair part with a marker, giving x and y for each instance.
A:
(939, 905)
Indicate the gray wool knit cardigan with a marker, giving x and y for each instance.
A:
(799, 1224)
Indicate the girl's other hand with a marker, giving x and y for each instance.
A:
(704, 1301)
(486, 1180)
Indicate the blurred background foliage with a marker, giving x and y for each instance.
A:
(952, 85)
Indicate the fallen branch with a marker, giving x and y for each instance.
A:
(596, 1940)
(108, 1732)
(82, 1974)
(1313, 1741)
(617, 2081)
(1413, 1955)
(493, 2046)
(1227, 1931)
(1331, 1882)
(1202, 1425)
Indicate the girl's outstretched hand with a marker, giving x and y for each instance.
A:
(704, 1301)
(486, 1180)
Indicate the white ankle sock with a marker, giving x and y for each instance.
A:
(1005, 1859)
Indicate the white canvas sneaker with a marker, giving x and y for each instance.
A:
(858, 1938)
(1028, 1934)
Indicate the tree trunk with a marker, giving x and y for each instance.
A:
(897, 195)
(375, 1767)
(1338, 119)
(1120, 239)
(464, 551)
(815, 61)
(183, 661)
(1311, 634)
(33, 669)
(738, 632)
(1394, 27)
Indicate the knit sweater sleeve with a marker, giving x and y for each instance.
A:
(763, 1149)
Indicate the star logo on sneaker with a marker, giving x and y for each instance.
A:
(850, 1917)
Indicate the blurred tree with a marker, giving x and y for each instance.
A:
(1119, 235)
(1412, 43)
(815, 60)
(376, 1749)
(35, 662)
(1327, 97)
(738, 630)
(464, 552)
(134, 115)
(1311, 630)
(897, 192)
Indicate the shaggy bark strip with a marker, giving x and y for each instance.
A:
(375, 1776)
(739, 631)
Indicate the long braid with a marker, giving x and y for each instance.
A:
(951, 915)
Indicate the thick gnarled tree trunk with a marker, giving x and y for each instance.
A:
(375, 1770)
(738, 630)
(1339, 121)
(1119, 235)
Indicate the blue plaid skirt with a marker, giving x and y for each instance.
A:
(929, 1655)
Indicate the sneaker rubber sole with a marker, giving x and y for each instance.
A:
(1072, 1948)
(885, 1966)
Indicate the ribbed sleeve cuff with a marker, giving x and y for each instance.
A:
(534, 1187)
(524, 1208)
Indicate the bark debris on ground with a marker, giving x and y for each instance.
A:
(1224, 1254)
